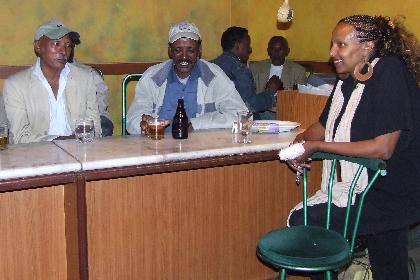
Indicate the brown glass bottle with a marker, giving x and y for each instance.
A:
(180, 122)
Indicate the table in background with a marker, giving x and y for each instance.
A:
(300, 107)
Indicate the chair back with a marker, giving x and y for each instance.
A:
(376, 165)
(125, 81)
(99, 71)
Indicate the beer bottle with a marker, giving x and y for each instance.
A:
(180, 122)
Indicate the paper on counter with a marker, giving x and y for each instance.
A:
(321, 90)
(273, 126)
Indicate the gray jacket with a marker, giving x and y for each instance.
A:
(292, 74)
(218, 101)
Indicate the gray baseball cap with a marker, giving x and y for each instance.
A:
(184, 29)
(53, 29)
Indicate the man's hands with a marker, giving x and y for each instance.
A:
(144, 124)
(274, 84)
(65, 137)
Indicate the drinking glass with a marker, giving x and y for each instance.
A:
(245, 120)
(156, 128)
(84, 130)
(4, 137)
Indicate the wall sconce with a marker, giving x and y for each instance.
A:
(285, 12)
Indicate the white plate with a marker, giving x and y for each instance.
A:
(276, 126)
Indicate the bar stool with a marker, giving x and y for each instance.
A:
(310, 248)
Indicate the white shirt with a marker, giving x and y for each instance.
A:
(59, 124)
(276, 70)
(183, 81)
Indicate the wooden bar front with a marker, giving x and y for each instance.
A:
(194, 224)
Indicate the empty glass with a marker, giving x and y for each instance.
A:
(245, 120)
(84, 131)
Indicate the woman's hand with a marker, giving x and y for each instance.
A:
(313, 135)
(299, 138)
(310, 148)
(303, 160)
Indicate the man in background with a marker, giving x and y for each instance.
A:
(290, 73)
(44, 101)
(102, 91)
(210, 98)
(236, 45)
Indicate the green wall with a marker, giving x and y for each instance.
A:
(137, 30)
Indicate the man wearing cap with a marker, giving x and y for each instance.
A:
(102, 91)
(210, 98)
(236, 45)
(44, 101)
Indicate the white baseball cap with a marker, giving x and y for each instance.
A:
(184, 29)
(53, 29)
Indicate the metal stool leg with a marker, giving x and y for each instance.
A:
(328, 274)
(283, 274)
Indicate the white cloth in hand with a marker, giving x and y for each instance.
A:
(292, 152)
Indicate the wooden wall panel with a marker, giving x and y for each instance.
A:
(32, 243)
(199, 224)
(300, 107)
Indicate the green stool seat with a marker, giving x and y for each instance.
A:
(305, 248)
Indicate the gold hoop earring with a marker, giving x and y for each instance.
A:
(363, 77)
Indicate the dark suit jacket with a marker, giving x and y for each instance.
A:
(292, 74)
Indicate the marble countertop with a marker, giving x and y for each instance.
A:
(137, 150)
(26, 160)
(45, 158)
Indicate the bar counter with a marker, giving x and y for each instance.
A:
(133, 208)
(115, 152)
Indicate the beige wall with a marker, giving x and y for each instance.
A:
(114, 31)
(130, 30)
(310, 31)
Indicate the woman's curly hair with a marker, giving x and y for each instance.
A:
(390, 38)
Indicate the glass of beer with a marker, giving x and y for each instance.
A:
(4, 137)
(155, 128)
(84, 131)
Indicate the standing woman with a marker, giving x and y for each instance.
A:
(374, 112)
